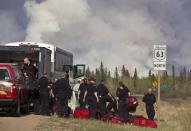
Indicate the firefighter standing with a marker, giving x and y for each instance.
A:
(104, 96)
(122, 94)
(28, 71)
(81, 92)
(91, 97)
(44, 94)
(149, 99)
(63, 93)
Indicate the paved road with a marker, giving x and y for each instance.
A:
(23, 123)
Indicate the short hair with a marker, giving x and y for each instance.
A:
(121, 83)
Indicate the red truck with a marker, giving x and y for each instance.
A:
(14, 93)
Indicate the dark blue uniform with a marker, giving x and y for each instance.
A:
(122, 94)
(82, 89)
(91, 100)
(63, 93)
(102, 92)
(44, 95)
(149, 100)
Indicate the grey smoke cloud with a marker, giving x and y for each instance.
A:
(113, 31)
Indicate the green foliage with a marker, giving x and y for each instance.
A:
(140, 84)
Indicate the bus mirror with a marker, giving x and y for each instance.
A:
(79, 70)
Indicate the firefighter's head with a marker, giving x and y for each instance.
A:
(150, 90)
(26, 60)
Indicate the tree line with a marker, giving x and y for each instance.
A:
(175, 81)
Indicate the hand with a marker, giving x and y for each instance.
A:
(97, 100)
(83, 100)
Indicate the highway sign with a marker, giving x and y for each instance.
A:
(159, 57)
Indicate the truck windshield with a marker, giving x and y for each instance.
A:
(4, 75)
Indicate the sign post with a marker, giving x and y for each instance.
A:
(159, 64)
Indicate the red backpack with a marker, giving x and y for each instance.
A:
(141, 121)
(81, 113)
(131, 104)
(108, 116)
(151, 124)
(117, 120)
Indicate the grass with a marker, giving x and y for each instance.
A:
(173, 118)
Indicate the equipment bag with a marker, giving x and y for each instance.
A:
(108, 117)
(131, 104)
(141, 121)
(81, 113)
(117, 120)
(151, 124)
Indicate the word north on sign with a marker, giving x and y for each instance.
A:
(159, 57)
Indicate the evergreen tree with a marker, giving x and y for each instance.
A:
(88, 73)
(135, 77)
(116, 74)
(123, 71)
(153, 78)
(92, 74)
(109, 74)
(150, 74)
(165, 77)
(97, 75)
(127, 73)
(173, 76)
(116, 77)
(102, 72)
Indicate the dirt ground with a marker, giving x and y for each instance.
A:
(23, 123)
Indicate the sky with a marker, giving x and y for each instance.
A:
(113, 31)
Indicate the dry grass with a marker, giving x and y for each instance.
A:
(175, 116)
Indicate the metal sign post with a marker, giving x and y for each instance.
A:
(159, 64)
(158, 97)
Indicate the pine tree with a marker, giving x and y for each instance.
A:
(97, 75)
(116, 77)
(127, 73)
(184, 74)
(150, 74)
(165, 77)
(88, 73)
(135, 77)
(102, 72)
(109, 74)
(153, 78)
(92, 74)
(116, 74)
(173, 77)
(123, 71)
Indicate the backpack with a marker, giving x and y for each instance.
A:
(141, 121)
(108, 117)
(81, 113)
(117, 120)
(131, 104)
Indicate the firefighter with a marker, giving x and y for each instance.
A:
(28, 71)
(81, 92)
(149, 99)
(104, 96)
(63, 93)
(91, 97)
(44, 94)
(35, 68)
(122, 94)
